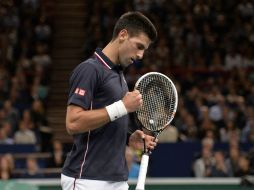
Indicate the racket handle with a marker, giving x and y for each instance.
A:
(142, 172)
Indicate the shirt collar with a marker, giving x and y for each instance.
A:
(106, 61)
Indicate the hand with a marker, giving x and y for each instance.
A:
(136, 141)
(132, 100)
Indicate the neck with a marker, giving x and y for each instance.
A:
(111, 51)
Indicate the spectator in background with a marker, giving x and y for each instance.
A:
(57, 155)
(244, 166)
(131, 160)
(162, 52)
(41, 57)
(233, 160)
(216, 111)
(43, 30)
(41, 127)
(141, 5)
(206, 125)
(216, 63)
(4, 139)
(169, 135)
(6, 125)
(246, 9)
(38, 114)
(188, 130)
(6, 166)
(202, 166)
(39, 90)
(247, 131)
(32, 169)
(19, 94)
(24, 135)
(12, 114)
(208, 143)
(27, 119)
(233, 59)
(229, 131)
(219, 168)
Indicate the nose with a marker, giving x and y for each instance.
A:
(140, 54)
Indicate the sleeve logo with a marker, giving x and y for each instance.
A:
(80, 91)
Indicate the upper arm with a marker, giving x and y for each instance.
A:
(83, 84)
(72, 115)
(72, 112)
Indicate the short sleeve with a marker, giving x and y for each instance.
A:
(83, 83)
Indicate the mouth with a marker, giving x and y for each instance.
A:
(132, 60)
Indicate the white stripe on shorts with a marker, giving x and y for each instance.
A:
(70, 183)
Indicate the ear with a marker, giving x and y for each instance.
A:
(123, 35)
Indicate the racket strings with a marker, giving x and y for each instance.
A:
(159, 101)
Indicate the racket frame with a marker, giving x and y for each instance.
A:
(145, 156)
(176, 99)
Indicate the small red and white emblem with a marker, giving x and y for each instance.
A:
(80, 91)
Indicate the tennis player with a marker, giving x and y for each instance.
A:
(98, 107)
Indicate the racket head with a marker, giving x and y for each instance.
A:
(160, 101)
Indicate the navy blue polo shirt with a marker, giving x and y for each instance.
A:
(98, 154)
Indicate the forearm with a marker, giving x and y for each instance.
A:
(79, 120)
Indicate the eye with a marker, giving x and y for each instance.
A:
(140, 47)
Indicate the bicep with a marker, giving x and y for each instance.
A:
(73, 113)
(79, 120)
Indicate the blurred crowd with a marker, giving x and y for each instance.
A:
(217, 163)
(25, 61)
(207, 48)
(25, 64)
(33, 165)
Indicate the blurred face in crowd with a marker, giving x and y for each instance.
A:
(32, 164)
(219, 157)
(234, 153)
(243, 163)
(206, 153)
(57, 145)
(131, 47)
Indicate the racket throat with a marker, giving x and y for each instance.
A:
(155, 134)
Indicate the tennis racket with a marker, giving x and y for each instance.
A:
(157, 111)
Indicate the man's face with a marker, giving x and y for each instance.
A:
(132, 48)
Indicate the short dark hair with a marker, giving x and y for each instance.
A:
(135, 23)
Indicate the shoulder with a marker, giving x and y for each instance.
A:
(198, 161)
(90, 63)
(89, 67)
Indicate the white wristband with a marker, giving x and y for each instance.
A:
(116, 110)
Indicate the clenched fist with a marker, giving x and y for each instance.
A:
(132, 100)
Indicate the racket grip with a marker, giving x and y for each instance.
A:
(142, 172)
